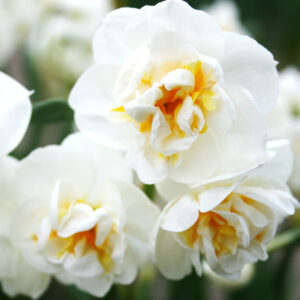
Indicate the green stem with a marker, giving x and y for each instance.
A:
(284, 239)
(51, 111)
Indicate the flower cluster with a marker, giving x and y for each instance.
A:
(182, 104)
(55, 34)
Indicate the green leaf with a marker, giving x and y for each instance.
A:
(51, 111)
(149, 190)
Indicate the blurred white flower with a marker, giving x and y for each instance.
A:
(178, 94)
(284, 120)
(60, 44)
(52, 30)
(7, 38)
(229, 223)
(17, 18)
(227, 15)
(80, 217)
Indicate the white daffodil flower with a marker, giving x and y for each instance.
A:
(227, 15)
(178, 94)
(60, 45)
(284, 120)
(228, 223)
(80, 217)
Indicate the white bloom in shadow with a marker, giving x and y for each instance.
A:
(229, 223)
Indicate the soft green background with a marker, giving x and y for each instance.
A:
(276, 25)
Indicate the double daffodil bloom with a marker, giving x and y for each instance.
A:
(180, 96)
(229, 223)
(79, 217)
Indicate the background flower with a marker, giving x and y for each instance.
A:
(284, 121)
(60, 44)
(227, 15)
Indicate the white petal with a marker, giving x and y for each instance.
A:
(87, 266)
(97, 286)
(117, 135)
(54, 163)
(62, 193)
(106, 163)
(141, 215)
(28, 282)
(212, 197)
(104, 226)
(55, 250)
(177, 16)
(43, 233)
(151, 95)
(107, 196)
(185, 115)
(270, 199)
(93, 91)
(181, 214)
(131, 74)
(248, 64)
(257, 218)
(159, 131)
(15, 110)
(281, 165)
(8, 167)
(9, 259)
(198, 163)
(82, 218)
(172, 259)
(179, 78)
(130, 269)
(247, 136)
(38, 261)
(108, 44)
(150, 167)
(25, 221)
(170, 190)
(139, 112)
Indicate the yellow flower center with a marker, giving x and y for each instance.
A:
(172, 100)
(224, 238)
(223, 235)
(104, 251)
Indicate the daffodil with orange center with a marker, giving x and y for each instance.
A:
(176, 93)
(228, 223)
(83, 221)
